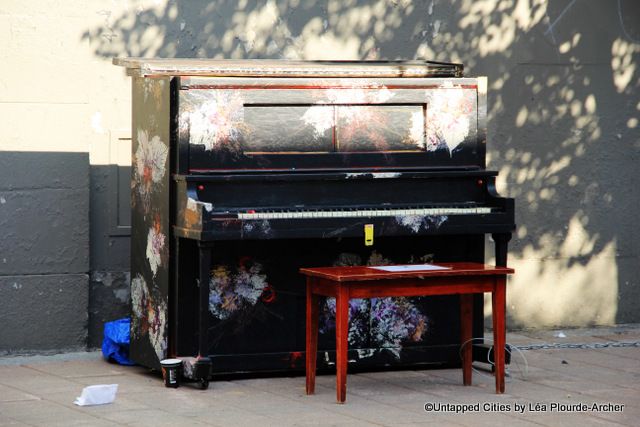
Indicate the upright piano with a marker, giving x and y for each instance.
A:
(244, 171)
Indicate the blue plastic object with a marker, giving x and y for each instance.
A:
(115, 345)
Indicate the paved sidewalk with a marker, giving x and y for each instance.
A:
(40, 391)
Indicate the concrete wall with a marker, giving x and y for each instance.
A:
(44, 251)
(564, 133)
(61, 108)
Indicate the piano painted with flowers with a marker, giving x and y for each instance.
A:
(244, 171)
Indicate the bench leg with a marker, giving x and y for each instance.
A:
(498, 312)
(466, 326)
(342, 336)
(311, 349)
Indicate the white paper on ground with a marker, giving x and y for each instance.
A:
(412, 267)
(97, 395)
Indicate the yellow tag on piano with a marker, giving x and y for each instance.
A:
(368, 234)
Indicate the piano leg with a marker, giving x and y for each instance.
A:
(203, 362)
(174, 308)
(501, 240)
(204, 253)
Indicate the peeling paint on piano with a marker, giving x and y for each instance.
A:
(415, 222)
(150, 160)
(374, 175)
(385, 175)
(192, 213)
(357, 175)
(196, 204)
(149, 316)
(155, 89)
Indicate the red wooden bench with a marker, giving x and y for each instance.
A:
(343, 283)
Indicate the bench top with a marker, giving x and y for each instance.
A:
(359, 273)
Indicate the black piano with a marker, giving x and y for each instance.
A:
(245, 171)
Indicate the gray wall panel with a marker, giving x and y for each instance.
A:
(44, 231)
(43, 313)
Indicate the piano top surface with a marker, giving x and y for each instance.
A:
(285, 68)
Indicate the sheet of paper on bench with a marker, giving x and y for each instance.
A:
(413, 267)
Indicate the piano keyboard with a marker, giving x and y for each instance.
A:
(363, 213)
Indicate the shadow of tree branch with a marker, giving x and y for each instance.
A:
(563, 106)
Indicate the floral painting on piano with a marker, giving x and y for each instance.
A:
(149, 315)
(214, 119)
(245, 297)
(150, 161)
(150, 223)
(237, 288)
(239, 180)
(449, 115)
(358, 119)
(382, 324)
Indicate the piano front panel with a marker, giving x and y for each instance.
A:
(256, 307)
(367, 124)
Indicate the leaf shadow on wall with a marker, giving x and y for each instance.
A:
(563, 114)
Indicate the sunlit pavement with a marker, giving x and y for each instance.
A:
(588, 377)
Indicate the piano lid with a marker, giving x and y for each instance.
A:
(285, 68)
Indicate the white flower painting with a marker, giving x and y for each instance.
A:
(150, 164)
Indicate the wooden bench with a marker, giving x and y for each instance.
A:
(343, 283)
